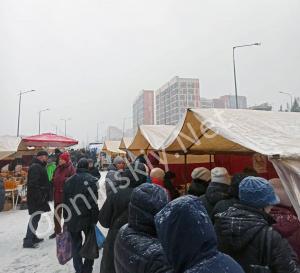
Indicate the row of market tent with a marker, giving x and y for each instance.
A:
(203, 134)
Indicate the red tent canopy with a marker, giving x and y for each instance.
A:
(49, 140)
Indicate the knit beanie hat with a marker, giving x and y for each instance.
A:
(220, 175)
(280, 191)
(257, 192)
(65, 156)
(201, 173)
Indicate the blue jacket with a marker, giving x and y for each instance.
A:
(137, 249)
(189, 240)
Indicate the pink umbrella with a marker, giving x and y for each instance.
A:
(49, 140)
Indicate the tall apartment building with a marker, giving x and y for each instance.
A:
(174, 97)
(143, 109)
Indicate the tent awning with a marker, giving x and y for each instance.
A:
(209, 131)
(112, 147)
(150, 137)
(125, 143)
(8, 146)
(48, 140)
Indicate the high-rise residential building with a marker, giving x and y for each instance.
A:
(174, 97)
(143, 109)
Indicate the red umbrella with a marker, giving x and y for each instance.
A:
(49, 140)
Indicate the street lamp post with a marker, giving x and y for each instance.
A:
(98, 127)
(291, 96)
(65, 120)
(234, 69)
(21, 93)
(40, 112)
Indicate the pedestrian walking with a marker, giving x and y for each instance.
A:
(245, 233)
(93, 170)
(201, 177)
(83, 214)
(64, 170)
(114, 213)
(113, 178)
(189, 240)
(137, 241)
(37, 197)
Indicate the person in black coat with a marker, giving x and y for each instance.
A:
(243, 230)
(137, 241)
(38, 189)
(169, 184)
(217, 190)
(224, 205)
(189, 240)
(80, 189)
(201, 179)
(114, 213)
(93, 170)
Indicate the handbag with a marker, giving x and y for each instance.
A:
(100, 237)
(265, 248)
(90, 248)
(64, 247)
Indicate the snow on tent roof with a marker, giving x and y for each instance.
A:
(206, 131)
(150, 137)
(112, 147)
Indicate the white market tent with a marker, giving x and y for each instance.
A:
(111, 147)
(8, 146)
(273, 134)
(125, 143)
(151, 138)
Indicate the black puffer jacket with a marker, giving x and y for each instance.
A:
(198, 187)
(240, 233)
(38, 187)
(215, 193)
(137, 249)
(82, 188)
(114, 214)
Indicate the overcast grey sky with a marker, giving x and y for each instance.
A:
(89, 58)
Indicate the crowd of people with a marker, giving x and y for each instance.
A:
(237, 224)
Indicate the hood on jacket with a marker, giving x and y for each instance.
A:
(146, 201)
(239, 225)
(135, 174)
(186, 233)
(217, 192)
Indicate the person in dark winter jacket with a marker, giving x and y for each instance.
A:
(243, 230)
(80, 196)
(64, 170)
(93, 170)
(287, 222)
(169, 184)
(37, 197)
(201, 179)
(224, 205)
(114, 213)
(218, 189)
(2, 195)
(137, 242)
(189, 240)
(113, 178)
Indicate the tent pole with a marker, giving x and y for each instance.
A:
(210, 161)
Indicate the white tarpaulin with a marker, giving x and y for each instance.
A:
(111, 147)
(274, 134)
(125, 143)
(8, 146)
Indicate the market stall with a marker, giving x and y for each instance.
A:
(273, 135)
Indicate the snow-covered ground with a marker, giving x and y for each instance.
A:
(15, 259)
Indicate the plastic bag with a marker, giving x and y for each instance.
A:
(64, 247)
(100, 237)
(90, 248)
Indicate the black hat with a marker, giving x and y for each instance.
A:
(42, 153)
